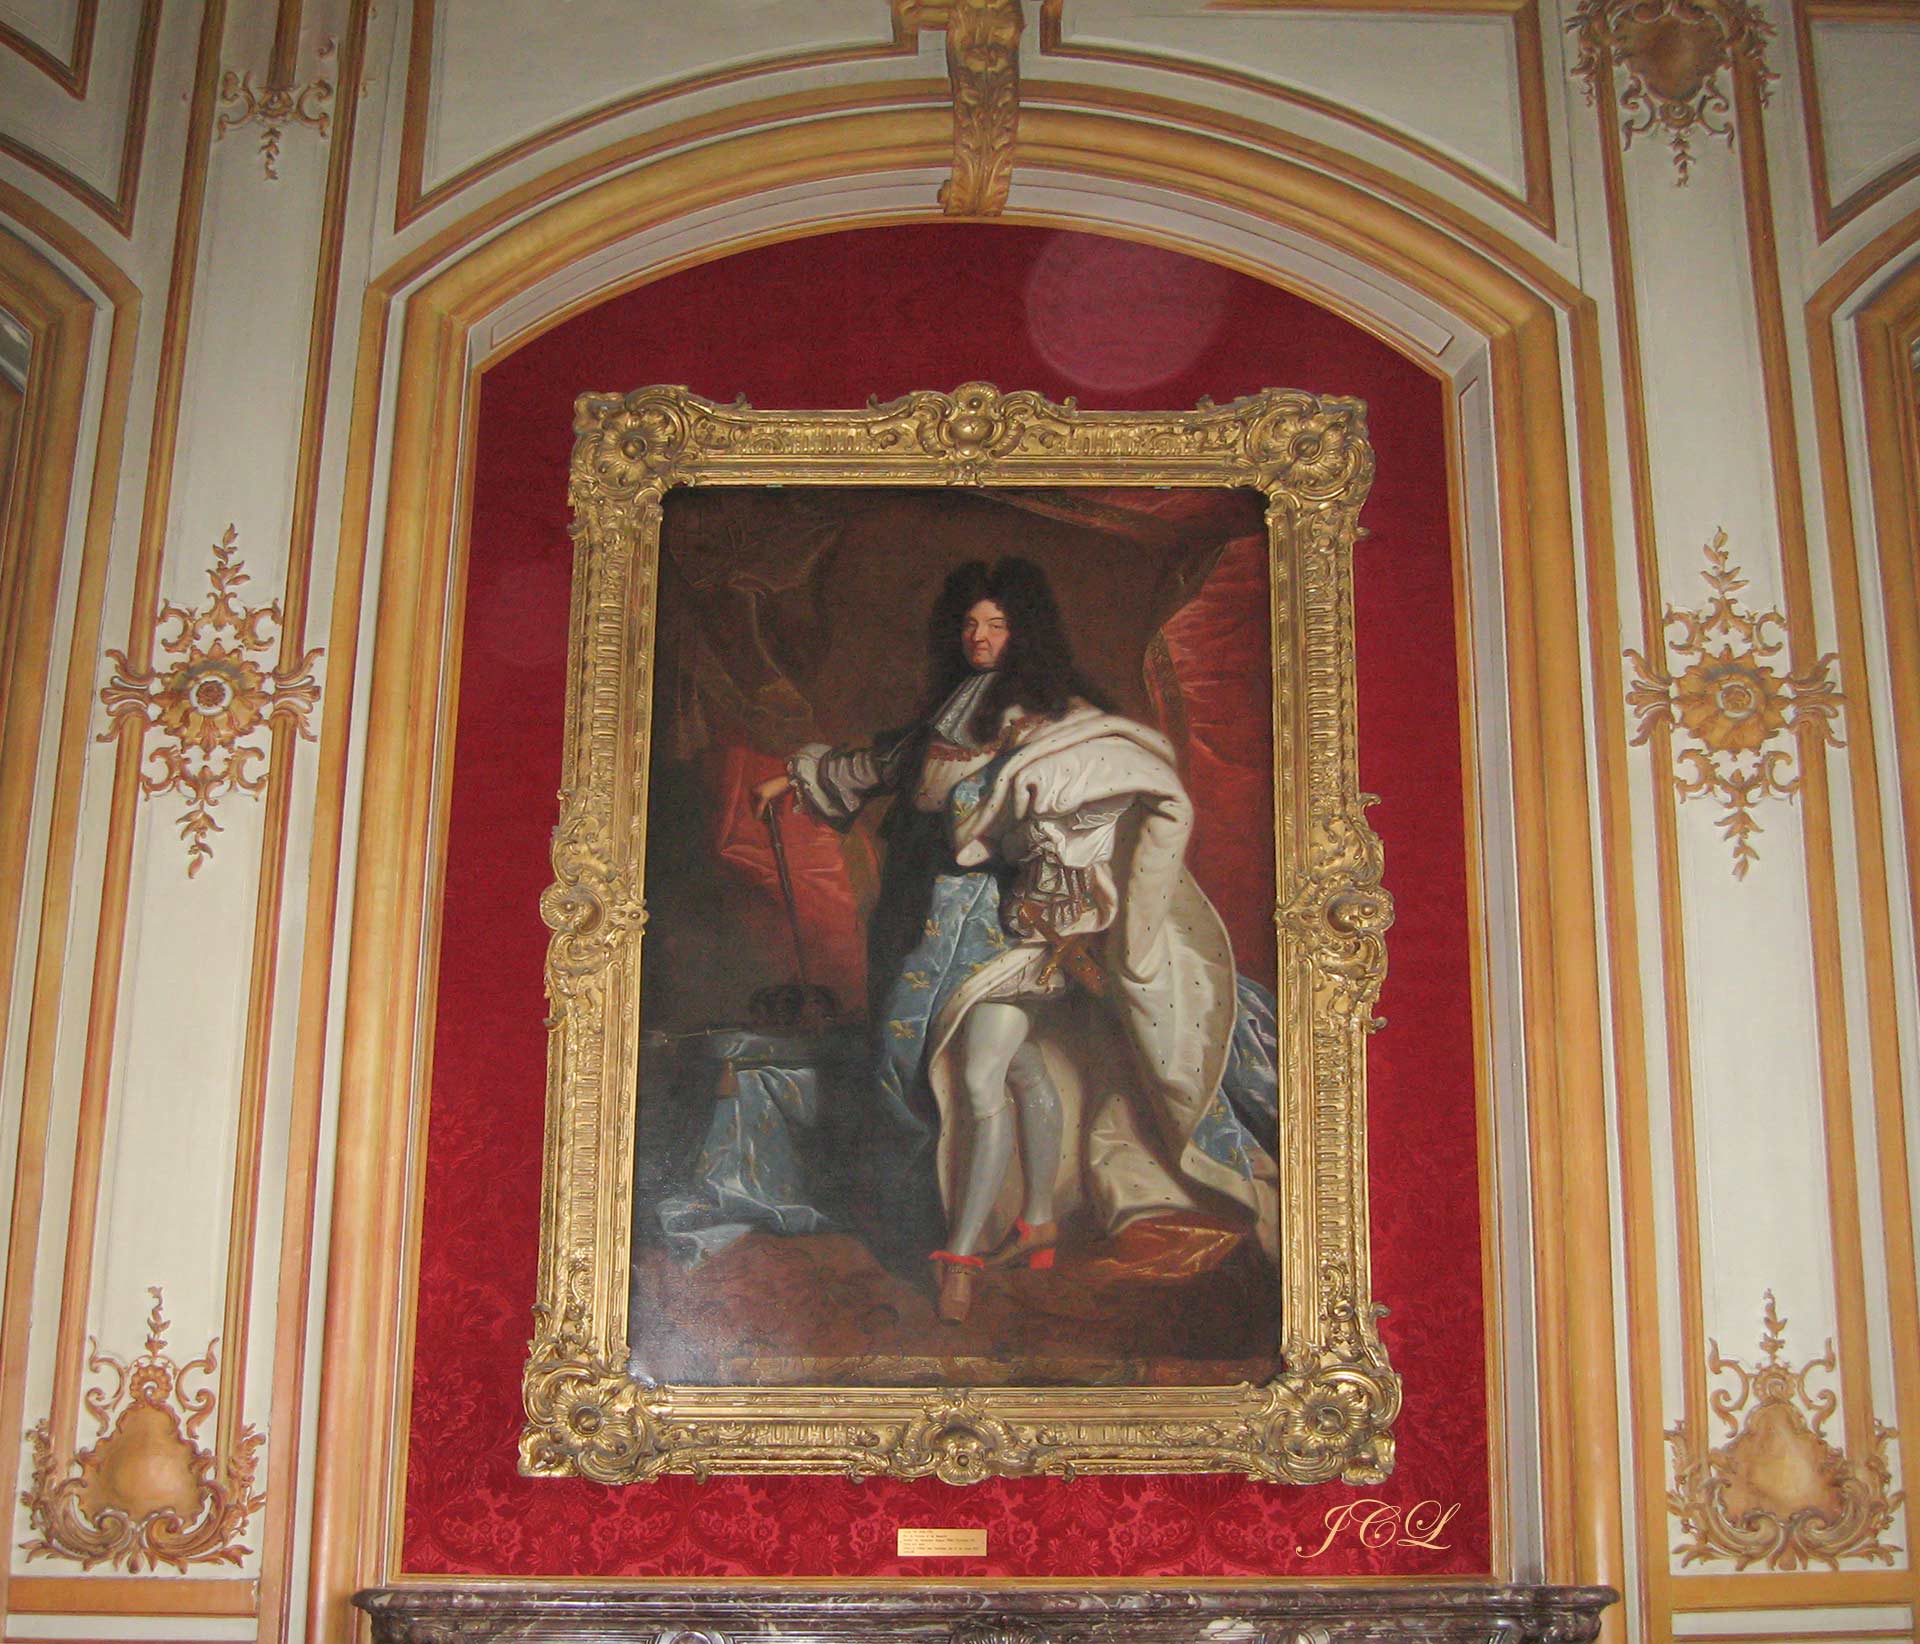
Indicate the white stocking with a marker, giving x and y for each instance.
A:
(990, 1037)
(1038, 1104)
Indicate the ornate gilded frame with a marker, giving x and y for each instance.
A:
(1329, 1413)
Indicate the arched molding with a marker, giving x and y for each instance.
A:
(1402, 318)
(56, 318)
(68, 298)
(1863, 336)
(416, 254)
(81, 314)
(410, 446)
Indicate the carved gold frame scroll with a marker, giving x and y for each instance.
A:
(1329, 1413)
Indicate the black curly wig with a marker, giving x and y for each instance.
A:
(1036, 671)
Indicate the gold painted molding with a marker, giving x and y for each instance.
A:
(59, 319)
(1887, 329)
(1820, 854)
(38, 552)
(111, 322)
(212, 699)
(294, 1367)
(1875, 538)
(1633, 1046)
(114, 867)
(145, 1493)
(143, 1595)
(1778, 1492)
(1788, 1590)
(1387, 224)
(1673, 52)
(1732, 702)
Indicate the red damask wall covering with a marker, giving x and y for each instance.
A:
(830, 321)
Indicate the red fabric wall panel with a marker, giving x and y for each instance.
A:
(829, 321)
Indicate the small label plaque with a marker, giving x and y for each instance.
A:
(920, 1543)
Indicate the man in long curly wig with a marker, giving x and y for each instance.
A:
(1045, 969)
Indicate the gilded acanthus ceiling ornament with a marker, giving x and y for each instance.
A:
(212, 697)
(983, 65)
(145, 1493)
(1778, 1491)
(1730, 700)
(983, 69)
(273, 108)
(1673, 53)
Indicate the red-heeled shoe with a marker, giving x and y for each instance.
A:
(1028, 1242)
(954, 1277)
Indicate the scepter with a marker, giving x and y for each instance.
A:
(786, 889)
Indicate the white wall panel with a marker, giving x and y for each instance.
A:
(506, 69)
(1437, 78)
(165, 1178)
(1756, 1081)
(1869, 104)
(1840, 1623)
(98, 1630)
(47, 23)
(82, 137)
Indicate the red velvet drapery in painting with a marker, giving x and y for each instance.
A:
(831, 321)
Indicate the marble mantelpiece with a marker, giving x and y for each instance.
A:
(771, 1613)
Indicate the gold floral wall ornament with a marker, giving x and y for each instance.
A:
(1779, 1492)
(145, 1493)
(212, 697)
(1732, 702)
(274, 107)
(983, 68)
(1674, 53)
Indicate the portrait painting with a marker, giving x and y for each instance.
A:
(965, 929)
(918, 757)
